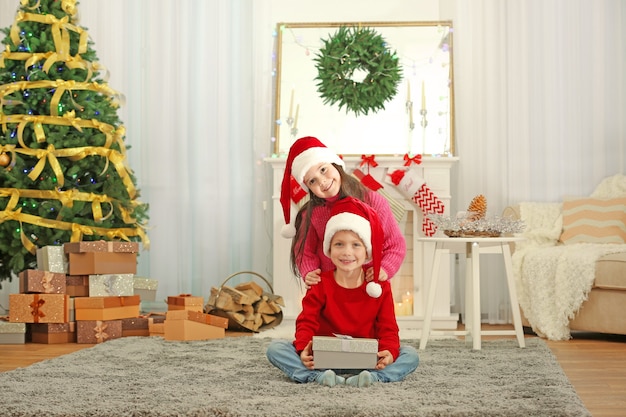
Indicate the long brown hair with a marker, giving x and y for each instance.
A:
(350, 186)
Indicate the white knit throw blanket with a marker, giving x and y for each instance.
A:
(553, 280)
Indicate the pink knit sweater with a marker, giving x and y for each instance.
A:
(394, 246)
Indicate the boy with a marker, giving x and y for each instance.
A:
(344, 303)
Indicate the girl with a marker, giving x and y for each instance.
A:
(343, 303)
(320, 171)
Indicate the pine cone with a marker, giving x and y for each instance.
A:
(477, 209)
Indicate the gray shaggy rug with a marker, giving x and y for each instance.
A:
(148, 376)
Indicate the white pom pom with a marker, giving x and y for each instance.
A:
(374, 289)
(288, 231)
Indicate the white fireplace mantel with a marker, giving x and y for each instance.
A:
(412, 276)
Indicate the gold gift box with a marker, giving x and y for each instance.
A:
(101, 246)
(198, 317)
(93, 263)
(106, 308)
(179, 327)
(185, 302)
(39, 308)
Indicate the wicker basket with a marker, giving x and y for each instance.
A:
(233, 322)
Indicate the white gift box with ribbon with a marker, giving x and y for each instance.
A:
(344, 352)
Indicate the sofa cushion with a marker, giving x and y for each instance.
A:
(611, 272)
(594, 220)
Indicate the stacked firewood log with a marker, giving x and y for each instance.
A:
(247, 306)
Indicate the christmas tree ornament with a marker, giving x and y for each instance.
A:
(5, 159)
(356, 69)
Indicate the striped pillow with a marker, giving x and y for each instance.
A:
(594, 220)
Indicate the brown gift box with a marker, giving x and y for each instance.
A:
(199, 317)
(98, 331)
(106, 308)
(177, 329)
(43, 282)
(77, 285)
(39, 308)
(139, 326)
(185, 302)
(101, 246)
(52, 333)
(93, 263)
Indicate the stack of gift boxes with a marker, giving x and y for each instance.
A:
(186, 321)
(87, 292)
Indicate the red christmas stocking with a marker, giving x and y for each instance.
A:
(414, 187)
(370, 182)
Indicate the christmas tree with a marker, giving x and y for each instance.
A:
(63, 168)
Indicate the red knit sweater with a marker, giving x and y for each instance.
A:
(394, 246)
(328, 308)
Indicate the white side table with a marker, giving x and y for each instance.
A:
(473, 248)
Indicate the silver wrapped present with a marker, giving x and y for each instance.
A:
(12, 333)
(146, 288)
(52, 258)
(107, 285)
(344, 352)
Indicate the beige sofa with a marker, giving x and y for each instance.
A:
(604, 310)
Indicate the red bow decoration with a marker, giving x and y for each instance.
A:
(35, 306)
(417, 159)
(369, 160)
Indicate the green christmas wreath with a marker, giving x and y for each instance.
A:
(356, 69)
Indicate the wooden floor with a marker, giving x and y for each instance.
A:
(594, 363)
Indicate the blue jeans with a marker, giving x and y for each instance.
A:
(282, 354)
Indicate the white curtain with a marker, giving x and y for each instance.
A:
(540, 102)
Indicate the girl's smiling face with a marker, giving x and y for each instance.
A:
(323, 180)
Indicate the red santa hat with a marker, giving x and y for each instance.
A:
(305, 153)
(352, 214)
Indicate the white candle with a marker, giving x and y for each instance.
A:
(423, 97)
(291, 104)
(407, 301)
(295, 122)
(408, 91)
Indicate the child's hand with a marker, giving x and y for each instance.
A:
(306, 356)
(313, 277)
(384, 358)
(369, 275)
